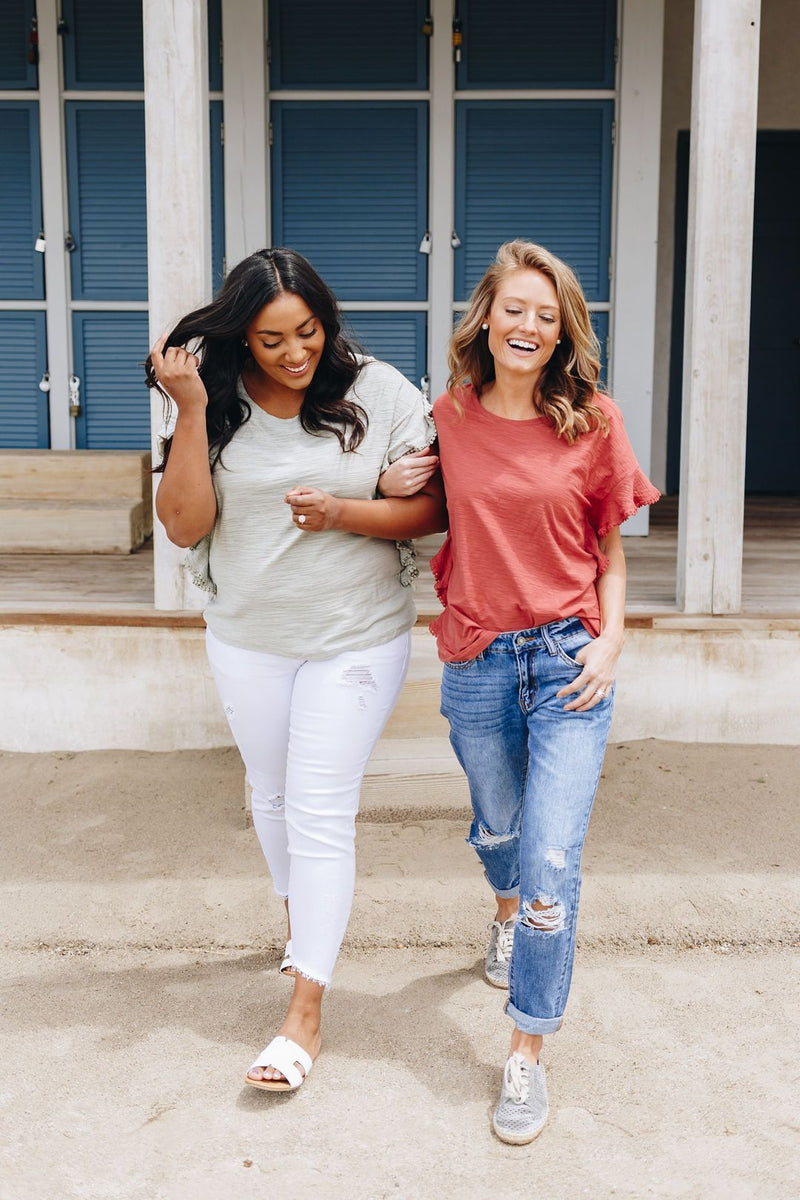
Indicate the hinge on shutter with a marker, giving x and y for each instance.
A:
(427, 26)
(222, 133)
(608, 347)
(610, 266)
(616, 50)
(613, 133)
(270, 133)
(221, 51)
(269, 54)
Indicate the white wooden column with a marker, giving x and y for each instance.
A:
(718, 269)
(178, 209)
(441, 193)
(54, 223)
(245, 113)
(638, 168)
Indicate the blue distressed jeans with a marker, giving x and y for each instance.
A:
(533, 771)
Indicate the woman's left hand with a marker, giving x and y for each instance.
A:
(599, 661)
(313, 510)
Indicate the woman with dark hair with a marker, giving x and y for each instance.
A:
(539, 475)
(270, 476)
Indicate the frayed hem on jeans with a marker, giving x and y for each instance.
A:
(298, 970)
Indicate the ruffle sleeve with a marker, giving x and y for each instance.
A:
(412, 428)
(617, 486)
(196, 565)
(626, 497)
(441, 566)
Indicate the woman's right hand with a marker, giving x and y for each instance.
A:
(408, 474)
(177, 372)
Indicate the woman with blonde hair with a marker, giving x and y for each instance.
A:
(539, 475)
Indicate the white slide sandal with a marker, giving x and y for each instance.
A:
(287, 963)
(284, 1055)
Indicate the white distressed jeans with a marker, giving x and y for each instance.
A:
(305, 731)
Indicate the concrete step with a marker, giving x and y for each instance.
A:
(419, 776)
(416, 778)
(78, 475)
(111, 526)
(136, 849)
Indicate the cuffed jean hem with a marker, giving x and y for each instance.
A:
(502, 893)
(537, 1026)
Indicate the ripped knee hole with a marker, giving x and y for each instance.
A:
(546, 914)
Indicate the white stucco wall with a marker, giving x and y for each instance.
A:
(778, 108)
(75, 688)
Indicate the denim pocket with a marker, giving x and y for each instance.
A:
(566, 657)
(463, 666)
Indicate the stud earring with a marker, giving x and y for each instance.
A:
(485, 325)
(558, 342)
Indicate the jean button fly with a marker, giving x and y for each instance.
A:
(520, 641)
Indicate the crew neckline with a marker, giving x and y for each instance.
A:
(270, 416)
(490, 416)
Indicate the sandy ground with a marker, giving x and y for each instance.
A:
(139, 959)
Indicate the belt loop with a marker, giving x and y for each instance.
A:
(548, 640)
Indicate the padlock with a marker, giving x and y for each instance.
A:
(74, 396)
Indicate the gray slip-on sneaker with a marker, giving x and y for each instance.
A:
(521, 1113)
(498, 955)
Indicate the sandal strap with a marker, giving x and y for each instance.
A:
(287, 960)
(282, 1054)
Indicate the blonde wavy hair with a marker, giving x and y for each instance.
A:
(567, 389)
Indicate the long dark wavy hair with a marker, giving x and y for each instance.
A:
(216, 334)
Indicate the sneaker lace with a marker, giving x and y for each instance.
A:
(517, 1078)
(505, 940)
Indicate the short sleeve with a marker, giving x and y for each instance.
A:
(412, 423)
(617, 486)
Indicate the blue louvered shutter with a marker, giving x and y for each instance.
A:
(16, 17)
(539, 170)
(107, 206)
(397, 338)
(565, 45)
(600, 326)
(21, 271)
(350, 192)
(103, 45)
(23, 407)
(109, 353)
(215, 45)
(315, 44)
(217, 196)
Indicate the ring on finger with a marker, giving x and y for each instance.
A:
(301, 520)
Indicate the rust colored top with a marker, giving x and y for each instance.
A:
(526, 512)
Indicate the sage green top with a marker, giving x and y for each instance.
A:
(309, 595)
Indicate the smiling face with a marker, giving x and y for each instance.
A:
(524, 324)
(286, 341)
